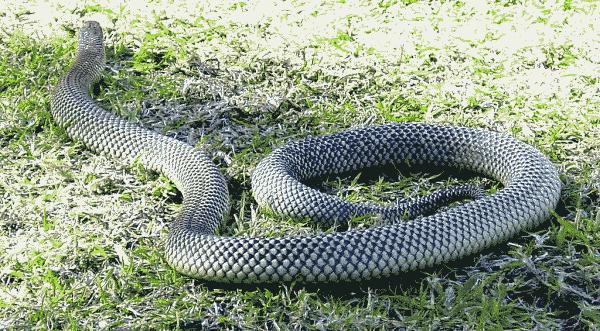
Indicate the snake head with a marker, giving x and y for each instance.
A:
(90, 52)
(90, 36)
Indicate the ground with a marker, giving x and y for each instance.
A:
(81, 235)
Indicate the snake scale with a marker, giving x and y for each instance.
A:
(531, 189)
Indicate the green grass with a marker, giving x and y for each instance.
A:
(81, 235)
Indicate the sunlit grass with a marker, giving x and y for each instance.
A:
(82, 235)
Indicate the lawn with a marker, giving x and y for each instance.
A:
(81, 235)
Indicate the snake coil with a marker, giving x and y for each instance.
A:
(531, 190)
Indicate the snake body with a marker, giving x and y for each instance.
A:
(531, 190)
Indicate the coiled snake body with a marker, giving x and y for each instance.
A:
(531, 190)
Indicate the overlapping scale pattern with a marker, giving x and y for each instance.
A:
(531, 190)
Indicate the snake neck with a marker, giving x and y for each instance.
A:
(86, 69)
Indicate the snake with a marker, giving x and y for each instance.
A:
(416, 235)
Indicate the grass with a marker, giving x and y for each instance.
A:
(81, 235)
